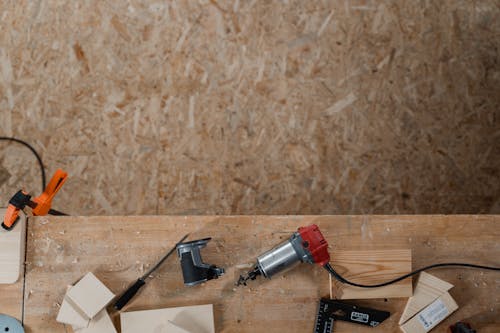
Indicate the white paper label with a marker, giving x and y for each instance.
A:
(359, 317)
(433, 314)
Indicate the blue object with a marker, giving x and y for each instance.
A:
(10, 325)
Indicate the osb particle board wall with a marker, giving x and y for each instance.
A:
(254, 107)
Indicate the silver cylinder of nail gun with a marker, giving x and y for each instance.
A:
(281, 258)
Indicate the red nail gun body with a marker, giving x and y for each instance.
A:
(39, 205)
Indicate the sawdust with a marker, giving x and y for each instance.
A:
(43, 220)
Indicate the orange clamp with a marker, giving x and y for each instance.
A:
(44, 200)
(10, 217)
(39, 205)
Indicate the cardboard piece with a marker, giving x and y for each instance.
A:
(101, 323)
(12, 245)
(89, 295)
(431, 315)
(428, 289)
(199, 319)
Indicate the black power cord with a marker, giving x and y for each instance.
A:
(38, 158)
(340, 278)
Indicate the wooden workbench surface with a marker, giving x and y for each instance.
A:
(119, 249)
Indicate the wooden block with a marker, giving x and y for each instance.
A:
(372, 267)
(12, 246)
(174, 328)
(184, 319)
(69, 315)
(432, 315)
(428, 289)
(89, 295)
(101, 323)
(199, 319)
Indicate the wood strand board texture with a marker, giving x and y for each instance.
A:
(120, 249)
(254, 107)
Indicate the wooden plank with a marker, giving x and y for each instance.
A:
(198, 318)
(12, 247)
(69, 315)
(372, 267)
(428, 289)
(89, 295)
(174, 328)
(11, 299)
(101, 323)
(119, 250)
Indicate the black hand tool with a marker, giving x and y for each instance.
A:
(194, 270)
(330, 310)
(133, 289)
